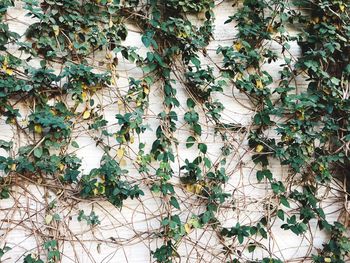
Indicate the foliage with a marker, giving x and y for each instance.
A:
(312, 124)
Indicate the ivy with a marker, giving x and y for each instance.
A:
(311, 124)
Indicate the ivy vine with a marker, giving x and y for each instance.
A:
(311, 123)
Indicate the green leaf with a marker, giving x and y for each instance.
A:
(174, 202)
(284, 201)
(251, 248)
(196, 62)
(190, 103)
(280, 214)
(38, 152)
(75, 144)
(203, 147)
(190, 141)
(197, 129)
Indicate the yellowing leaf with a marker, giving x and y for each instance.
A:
(120, 153)
(9, 71)
(38, 128)
(270, 29)
(238, 76)
(86, 114)
(61, 166)
(259, 84)
(103, 189)
(188, 228)
(238, 46)
(132, 139)
(146, 90)
(182, 35)
(190, 188)
(122, 162)
(48, 219)
(315, 20)
(198, 188)
(321, 168)
(5, 63)
(327, 260)
(300, 115)
(109, 55)
(342, 7)
(56, 30)
(13, 167)
(110, 23)
(259, 148)
(84, 95)
(194, 223)
(120, 105)
(100, 189)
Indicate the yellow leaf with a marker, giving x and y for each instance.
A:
(109, 55)
(321, 168)
(270, 29)
(238, 45)
(190, 188)
(120, 105)
(146, 90)
(259, 148)
(84, 95)
(188, 228)
(86, 114)
(132, 139)
(56, 30)
(9, 71)
(198, 188)
(327, 260)
(95, 191)
(138, 103)
(61, 166)
(182, 35)
(48, 219)
(13, 167)
(38, 128)
(259, 84)
(300, 115)
(194, 222)
(238, 76)
(342, 9)
(315, 20)
(120, 153)
(122, 162)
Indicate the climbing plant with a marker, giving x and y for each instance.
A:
(50, 89)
